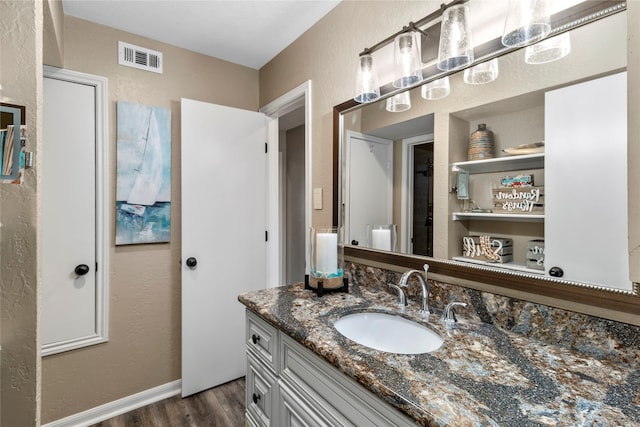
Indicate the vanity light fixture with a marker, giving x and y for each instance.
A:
(455, 50)
(367, 87)
(548, 50)
(527, 22)
(406, 60)
(407, 53)
(436, 89)
(400, 102)
(485, 72)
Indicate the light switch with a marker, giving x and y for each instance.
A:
(317, 198)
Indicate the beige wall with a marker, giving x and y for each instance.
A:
(53, 33)
(326, 54)
(144, 346)
(21, 77)
(144, 337)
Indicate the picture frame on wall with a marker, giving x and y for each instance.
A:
(143, 175)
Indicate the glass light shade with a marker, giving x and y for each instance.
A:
(400, 102)
(548, 50)
(485, 72)
(456, 44)
(406, 60)
(367, 87)
(436, 89)
(527, 22)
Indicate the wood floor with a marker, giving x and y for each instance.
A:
(222, 406)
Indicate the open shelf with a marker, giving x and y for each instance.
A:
(501, 164)
(508, 265)
(461, 216)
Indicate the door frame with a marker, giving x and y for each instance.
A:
(406, 192)
(101, 209)
(292, 100)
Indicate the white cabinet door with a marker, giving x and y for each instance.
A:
(74, 302)
(223, 230)
(586, 154)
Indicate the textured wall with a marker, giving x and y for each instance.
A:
(20, 76)
(326, 54)
(144, 337)
(53, 33)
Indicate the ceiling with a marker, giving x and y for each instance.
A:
(245, 32)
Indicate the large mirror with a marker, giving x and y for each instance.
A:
(547, 204)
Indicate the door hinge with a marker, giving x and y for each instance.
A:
(96, 267)
(266, 236)
(266, 148)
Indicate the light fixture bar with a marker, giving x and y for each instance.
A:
(413, 26)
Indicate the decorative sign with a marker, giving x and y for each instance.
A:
(487, 248)
(535, 254)
(516, 181)
(523, 200)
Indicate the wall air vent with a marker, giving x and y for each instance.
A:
(139, 57)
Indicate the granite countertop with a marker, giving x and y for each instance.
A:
(481, 376)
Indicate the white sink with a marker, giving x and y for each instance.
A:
(388, 332)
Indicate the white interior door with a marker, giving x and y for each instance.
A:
(369, 193)
(68, 211)
(223, 229)
(74, 218)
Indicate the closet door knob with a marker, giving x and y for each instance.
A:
(256, 398)
(556, 272)
(255, 338)
(192, 262)
(81, 269)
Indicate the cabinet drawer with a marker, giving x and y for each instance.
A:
(261, 389)
(338, 398)
(262, 340)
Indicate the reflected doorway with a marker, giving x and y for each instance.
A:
(422, 224)
(291, 151)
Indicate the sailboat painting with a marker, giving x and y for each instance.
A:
(143, 183)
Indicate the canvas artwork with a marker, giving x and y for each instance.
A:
(143, 193)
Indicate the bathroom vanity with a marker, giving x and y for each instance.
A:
(525, 364)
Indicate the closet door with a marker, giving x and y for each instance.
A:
(73, 293)
(586, 154)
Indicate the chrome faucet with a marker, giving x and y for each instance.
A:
(424, 308)
(402, 301)
(448, 315)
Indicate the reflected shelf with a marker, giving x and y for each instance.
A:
(501, 164)
(462, 216)
(508, 265)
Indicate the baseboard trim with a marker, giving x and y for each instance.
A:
(120, 406)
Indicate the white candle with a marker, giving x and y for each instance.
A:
(327, 253)
(381, 239)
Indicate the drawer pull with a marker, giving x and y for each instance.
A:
(255, 338)
(256, 398)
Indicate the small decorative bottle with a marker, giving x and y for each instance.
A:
(481, 144)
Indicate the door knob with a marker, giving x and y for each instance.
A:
(192, 262)
(556, 272)
(256, 398)
(81, 269)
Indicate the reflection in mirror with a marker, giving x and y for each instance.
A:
(402, 168)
